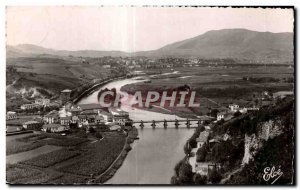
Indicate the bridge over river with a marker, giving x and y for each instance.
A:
(188, 123)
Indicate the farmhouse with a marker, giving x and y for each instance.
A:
(115, 128)
(82, 118)
(54, 128)
(65, 120)
(233, 107)
(11, 115)
(42, 101)
(32, 125)
(29, 106)
(75, 111)
(99, 119)
(108, 117)
(52, 117)
(75, 119)
(119, 116)
(220, 116)
(224, 115)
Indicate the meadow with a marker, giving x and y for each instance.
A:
(217, 86)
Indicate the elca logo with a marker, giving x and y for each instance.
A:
(272, 174)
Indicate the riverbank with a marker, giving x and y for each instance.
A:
(93, 88)
(112, 169)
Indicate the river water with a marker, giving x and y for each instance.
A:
(154, 155)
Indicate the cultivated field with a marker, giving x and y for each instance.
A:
(51, 158)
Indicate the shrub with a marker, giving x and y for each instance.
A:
(98, 135)
(200, 179)
(215, 176)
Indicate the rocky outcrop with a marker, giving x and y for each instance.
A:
(266, 130)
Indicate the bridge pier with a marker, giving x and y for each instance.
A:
(165, 124)
(176, 123)
(153, 124)
(188, 123)
(142, 124)
(199, 123)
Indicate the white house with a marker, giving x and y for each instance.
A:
(11, 115)
(29, 106)
(233, 107)
(32, 125)
(108, 117)
(51, 117)
(99, 119)
(54, 128)
(115, 128)
(119, 116)
(65, 120)
(42, 101)
(220, 116)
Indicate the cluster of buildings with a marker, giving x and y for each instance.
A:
(264, 99)
(204, 168)
(84, 115)
(109, 62)
(39, 103)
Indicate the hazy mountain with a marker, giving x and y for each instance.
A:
(232, 43)
(226, 43)
(25, 50)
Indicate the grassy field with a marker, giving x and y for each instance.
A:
(217, 86)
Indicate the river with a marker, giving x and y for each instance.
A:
(154, 155)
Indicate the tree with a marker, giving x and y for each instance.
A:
(174, 180)
(48, 130)
(236, 114)
(185, 173)
(201, 153)
(215, 176)
(98, 135)
(200, 179)
(202, 128)
(91, 130)
(193, 142)
(187, 148)
(214, 112)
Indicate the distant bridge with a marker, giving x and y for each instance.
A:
(165, 122)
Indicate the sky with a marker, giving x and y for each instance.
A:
(131, 29)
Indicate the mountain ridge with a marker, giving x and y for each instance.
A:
(225, 43)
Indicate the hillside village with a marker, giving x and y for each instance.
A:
(221, 149)
(45, 115)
